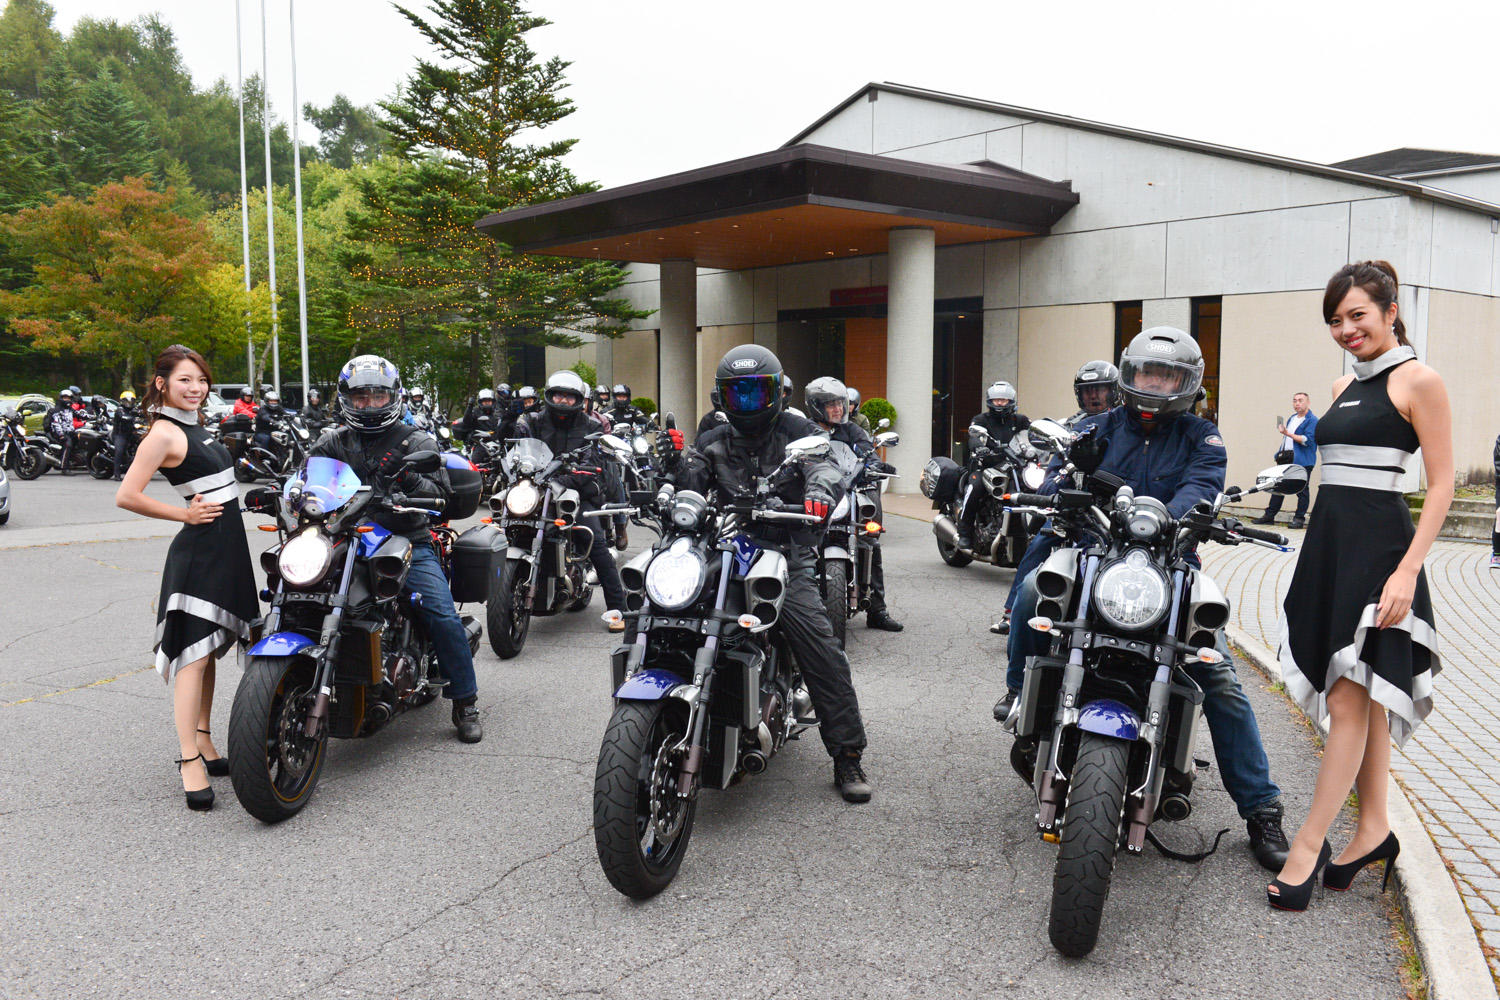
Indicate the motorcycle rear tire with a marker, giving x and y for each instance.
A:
(1090, 838)
(268, 696)
(505, 620)
(953, 556)
(836, 598)
(622, 798)
(30, 463)
(101, 466)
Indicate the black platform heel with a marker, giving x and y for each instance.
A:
(203, 798)
(219, 766)
(1339, 877)
(1296, 897)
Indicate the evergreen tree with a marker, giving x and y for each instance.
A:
(28, 43)
(347, 134)
(460, 121)
(103, 138)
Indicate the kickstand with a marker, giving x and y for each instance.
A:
(1167, 852)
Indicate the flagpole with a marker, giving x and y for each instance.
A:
(239, 83)
(265, 113)
(297, 189)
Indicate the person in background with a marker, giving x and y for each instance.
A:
(855, 417)
(713, 417)
(1299, 447)
(62, 421)
(314, 417)
(267, 418)
(1001, 421)
(124, 433)
(245, 405)
(526, 399)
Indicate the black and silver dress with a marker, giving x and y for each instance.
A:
(208, 597)
(1359, 532)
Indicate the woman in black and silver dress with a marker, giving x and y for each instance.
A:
(1358, 646)
(208, 595)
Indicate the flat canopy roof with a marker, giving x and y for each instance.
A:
(792, 205)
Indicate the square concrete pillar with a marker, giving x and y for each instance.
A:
(908, 381)
(678, 372)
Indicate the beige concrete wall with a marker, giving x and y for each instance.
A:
(634, 363)
(713, 343)
(566, 357)
(1054, 341)
(1463, 346)
(1271, 346)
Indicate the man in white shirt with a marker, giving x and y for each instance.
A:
(1299, 447)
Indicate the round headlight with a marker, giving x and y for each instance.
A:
(640, 445)
(305, 558)
(522, 498)
(1132, 593)
(1032, 477)
(675, 576)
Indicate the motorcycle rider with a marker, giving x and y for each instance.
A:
(373, 442)
(245, 405)
(726, 460)
(526, 400)
(1001, 421)
(482, 415)
(314, 417)
(827, 402)
(623, 411)
(788, 387)
(562, 426)
(1161, 376)
(1096, 386)
(267, 419)
(124, 432)
(855, 417)
(713, 417)
(416, 402)
(62, 421)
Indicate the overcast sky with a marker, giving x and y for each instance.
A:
(669, 85)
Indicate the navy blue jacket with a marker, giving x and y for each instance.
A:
(1178, 463)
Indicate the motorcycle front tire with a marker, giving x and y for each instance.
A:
(1090, 838)
(101, 466)
(272, 692)
(506, 619)
(836, 597)
(30, 463)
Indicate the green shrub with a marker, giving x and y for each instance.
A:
(586, 372)
(876, 408)
(645, 404)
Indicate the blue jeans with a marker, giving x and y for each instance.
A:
(448, 636)
(1231, 720)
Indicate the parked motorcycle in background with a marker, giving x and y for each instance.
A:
(854, 528)
(1106, 723)
(1018, 465)
(286, 452)
(705, 689)
(22, 453)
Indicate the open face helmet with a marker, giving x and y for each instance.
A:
(827, 400)
(1000, 397)
(369, 394)
(1096, 386)
(750, 384)
(564, 394)
(1161, 374)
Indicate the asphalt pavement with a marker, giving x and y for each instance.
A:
(427, 868)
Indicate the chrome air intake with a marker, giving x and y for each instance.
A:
(765, 586)
(389, 566)
(1054, 584)
(1207, 612)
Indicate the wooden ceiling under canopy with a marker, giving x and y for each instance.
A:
(793, 205)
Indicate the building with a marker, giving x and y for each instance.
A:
(920, 244)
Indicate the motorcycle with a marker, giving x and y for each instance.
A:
(102, 458)
(1001, 534)
(705, 689)
(22, 453)
(541, 549)
(290, 442)
(1106, 722)
(343, 651)
(639, 466)
(848, 547)
(487, 453)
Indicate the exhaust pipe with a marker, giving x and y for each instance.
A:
(1175, 807)
(945, 529)
(754, 762)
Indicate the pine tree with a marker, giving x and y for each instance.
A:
(103, 137)
(459, 123)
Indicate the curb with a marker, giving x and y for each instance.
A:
(1440, 924)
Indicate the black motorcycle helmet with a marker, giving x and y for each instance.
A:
(1161, 374)
(750, 383)
(486, 400)
(375, 384)
(564, 395)
(621, 392)
(820, 392)
(1000, 397)
(1096, 386)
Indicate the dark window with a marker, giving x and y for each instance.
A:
(1127, 325)
(1208, 316)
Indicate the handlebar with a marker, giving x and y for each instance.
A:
(1030, 499)
(1256, 534)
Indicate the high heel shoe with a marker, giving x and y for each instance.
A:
(1296, 897)
(1338, 877)
(201, 799)
(219, 766)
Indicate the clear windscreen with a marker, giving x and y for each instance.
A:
(527, 452)
(328, 479)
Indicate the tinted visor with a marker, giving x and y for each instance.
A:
(1153, 377)
(748, 394)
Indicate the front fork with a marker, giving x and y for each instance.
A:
(1052, 790)
(703, 666)
(328, 649)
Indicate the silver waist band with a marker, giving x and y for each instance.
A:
(1365, 479)
(203, 484)
(1363, 454)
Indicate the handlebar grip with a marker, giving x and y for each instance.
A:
(1029, 499)
(1275, 538)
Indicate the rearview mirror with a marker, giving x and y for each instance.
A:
(1049, 435)
(883, 424)
(1286, 480)
(887, 439)
(422, 461)
(812, 446)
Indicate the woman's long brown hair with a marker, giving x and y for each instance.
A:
(166, 363)
(1377, 278)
